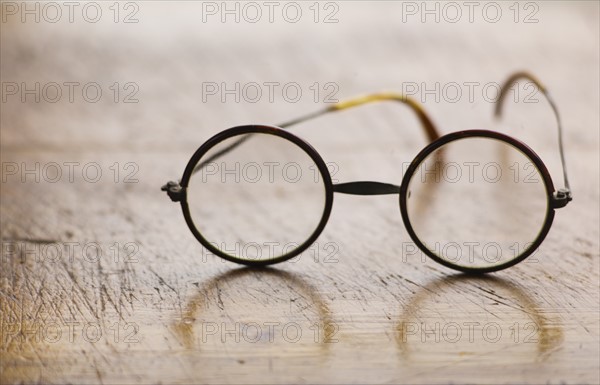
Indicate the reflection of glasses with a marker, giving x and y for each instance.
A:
(475, 201)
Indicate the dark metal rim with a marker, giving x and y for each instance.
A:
(258, 129)
(526, 150)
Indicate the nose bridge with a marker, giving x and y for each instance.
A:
(366, 188)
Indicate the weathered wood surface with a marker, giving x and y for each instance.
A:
(155, 308)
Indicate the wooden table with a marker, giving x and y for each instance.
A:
(102, 282)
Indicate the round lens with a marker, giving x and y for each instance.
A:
(256, 196)
(477, 202)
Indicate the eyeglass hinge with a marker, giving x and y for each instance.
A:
(561, 198)
(174, 190)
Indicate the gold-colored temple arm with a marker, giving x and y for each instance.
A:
(428, 126)
(566, 192)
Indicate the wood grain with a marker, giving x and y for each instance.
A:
(154, 307)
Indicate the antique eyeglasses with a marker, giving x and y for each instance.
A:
(476, 201)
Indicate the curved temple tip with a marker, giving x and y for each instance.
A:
(516, 76)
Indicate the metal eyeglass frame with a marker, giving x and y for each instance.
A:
(556, 199)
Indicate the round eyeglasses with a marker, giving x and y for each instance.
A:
(259, 195)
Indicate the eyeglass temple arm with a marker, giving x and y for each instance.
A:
(562, 194)
(428, 126)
